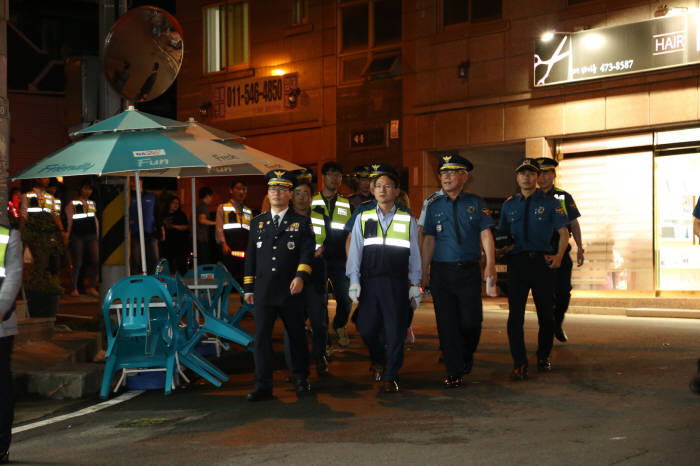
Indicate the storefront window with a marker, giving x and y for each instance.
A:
(616, 202)
(677, 252)
(225, 36)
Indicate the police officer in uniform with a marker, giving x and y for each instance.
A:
(531, 218)
(83, 228)
(363, 193)
(233, 227)
(336, 212)
(384, 271)
(562, 284)
(10, 282)
(278, 262)
(456, 225)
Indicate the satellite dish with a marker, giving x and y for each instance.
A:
(143, 53)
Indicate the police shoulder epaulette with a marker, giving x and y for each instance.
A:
(259, 215)
(509, 198)
(365, 202)
(430, 200)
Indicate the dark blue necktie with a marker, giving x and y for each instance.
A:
(276, 222)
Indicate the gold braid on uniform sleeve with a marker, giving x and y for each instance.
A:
(248, 280)
(304, 268)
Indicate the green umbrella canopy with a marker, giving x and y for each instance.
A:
(131, 120)
(123, 153)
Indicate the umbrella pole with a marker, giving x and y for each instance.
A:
(139, 209)
(194, 233)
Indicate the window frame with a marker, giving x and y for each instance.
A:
(441, 16)
(229, 68)
(303, 19)
(372, 50)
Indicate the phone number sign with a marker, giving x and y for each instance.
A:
(250, 97)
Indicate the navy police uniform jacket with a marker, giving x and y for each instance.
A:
(273, 258)
(531, 221)
(566, 201)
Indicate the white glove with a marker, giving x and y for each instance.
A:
(414, 295)
(354, 292)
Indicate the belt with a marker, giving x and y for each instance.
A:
(531, 254)
(459, 265)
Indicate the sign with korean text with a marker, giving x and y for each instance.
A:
(252, 97)
(630, 48)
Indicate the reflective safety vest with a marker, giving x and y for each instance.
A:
(341, 211)
(319, 226)
(38, 204)
(84, 218)
(236, 227)
(386, 252)
(57, 205)
(4, 240)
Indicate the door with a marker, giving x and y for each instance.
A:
(676, 250)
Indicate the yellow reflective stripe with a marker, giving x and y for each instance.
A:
(2, 272)
(373, 241)
(402, 218)
(236, 226)
(304, 268)
(317, 221)
(248, 279)
(79, 216)
(4, 239)
(398, 242)
(318, 202)
(337, 226)
(342, 204)
(229, 209)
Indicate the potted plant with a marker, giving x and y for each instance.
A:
(41, 284)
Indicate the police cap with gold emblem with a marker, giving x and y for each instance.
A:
(363, 171)
(528, 163)
(379, 169)
(454, 162)
(281, 178)
(302, 176)
(546, 163)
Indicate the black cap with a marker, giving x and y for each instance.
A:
(528, 164)
(363, 171)
(454, 162)
(302, 176)
(282, 178)
(332, 165)
(546, 163)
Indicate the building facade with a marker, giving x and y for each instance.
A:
(403, 80)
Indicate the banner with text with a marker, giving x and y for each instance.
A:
(252, 97)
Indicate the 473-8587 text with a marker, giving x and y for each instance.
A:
(621, 65)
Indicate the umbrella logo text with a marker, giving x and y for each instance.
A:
(149, 153)
(59, 168)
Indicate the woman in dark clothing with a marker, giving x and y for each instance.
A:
(175, 245)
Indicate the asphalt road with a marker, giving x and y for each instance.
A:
(618, 394)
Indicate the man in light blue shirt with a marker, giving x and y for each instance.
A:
(384, 270)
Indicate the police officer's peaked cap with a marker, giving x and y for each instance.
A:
(528, 163)
(454, 162)
(302, 176)
(328, 166)
(546, 163)
(363, 171)
(282, 178)
(379, 169)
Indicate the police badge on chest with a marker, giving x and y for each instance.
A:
(291, 245)
(438, 227)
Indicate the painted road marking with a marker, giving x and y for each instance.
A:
(82, 412)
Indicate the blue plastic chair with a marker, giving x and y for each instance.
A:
(245, 307)
(141, 339)
(162, 267)
(190, 332)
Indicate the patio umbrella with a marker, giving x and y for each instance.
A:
(129, 120)
(162, 153)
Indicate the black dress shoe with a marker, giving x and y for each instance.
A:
(543, 365)
(452, 381)
(519, 373)
(377, 370)
(260, 395)
(390, 386)
(560, 334)
(302, 386)
(322, 366)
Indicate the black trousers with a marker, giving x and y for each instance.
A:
(382, 321)
(529, 271)
(292, 315)
(456, 294)
(235, 266)
(7, 410)
(562, 289)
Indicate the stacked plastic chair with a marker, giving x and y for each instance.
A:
(142, 338)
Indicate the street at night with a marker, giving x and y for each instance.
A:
(618, 394)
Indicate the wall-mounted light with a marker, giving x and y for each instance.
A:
(463, 70)
(293, 97)
(278, 72)
(593, 41)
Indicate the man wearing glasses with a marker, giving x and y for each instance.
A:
(384, 271)
(278, 261)
(457, 224)
(336, 212)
